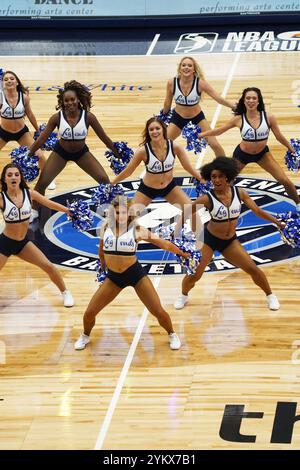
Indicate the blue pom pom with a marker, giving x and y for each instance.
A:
(190, 132)
(290, 234)
(28, 165)
(101, 274)
(186, 242)
(165, 231)
(105, 193)
(50, 142)
(118, 164)
(2, 72)
(165, 117)
(81, 216)
(292, 160)
(203, 188)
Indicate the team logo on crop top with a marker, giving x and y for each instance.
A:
(76, 250)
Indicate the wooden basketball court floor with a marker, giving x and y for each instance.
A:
(128, 390)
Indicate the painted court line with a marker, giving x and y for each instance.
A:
(122, 378)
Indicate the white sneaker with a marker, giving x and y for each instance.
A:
(181, 301)
(174, 341)
(68, 298)
(273, 303)
(52, 185)
(82, 341)
(34, 215)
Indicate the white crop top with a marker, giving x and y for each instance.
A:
(249, 134)
(124, 245)
(8, 112)
(154, 165)
(186, 100)
(221, 213)
(11, 213)
(78, 132)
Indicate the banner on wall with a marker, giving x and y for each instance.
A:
(36, 9)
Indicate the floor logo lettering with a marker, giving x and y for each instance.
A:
(261, 239)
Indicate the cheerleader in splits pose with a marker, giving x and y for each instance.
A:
(15, 105)
(186, 90)
(158, 153)
(224, 204)
(72, 121)
(117, 251)
(15, 203)
(255, 125)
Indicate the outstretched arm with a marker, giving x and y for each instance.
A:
(132, 165)
(29, 112)
(144, 234)
(234, 122)
(205, 86)
(257, 210)
(169, 97)
(185, 162)
(100, 132)
(51, 124)
(277, 132)
(35, 196)
(200, 201)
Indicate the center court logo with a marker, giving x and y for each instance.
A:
(195, 42)
(76, 250)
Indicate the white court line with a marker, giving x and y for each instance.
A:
(122, 378)
(153, 44)
(113, 403)
(219, 107)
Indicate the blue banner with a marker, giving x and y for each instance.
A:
(119, 8)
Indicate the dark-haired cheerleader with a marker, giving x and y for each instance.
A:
(72, 121)
(15, 204)
(224, 204)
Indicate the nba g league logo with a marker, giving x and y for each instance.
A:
(79, 251)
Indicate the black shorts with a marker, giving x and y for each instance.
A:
(70, 156)
(9, 246)
(152, 193)
(130, 277)
(12, 136)
(180, 121)
(245, 158)
(216, 243)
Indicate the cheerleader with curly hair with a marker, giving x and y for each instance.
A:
(72, 120)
